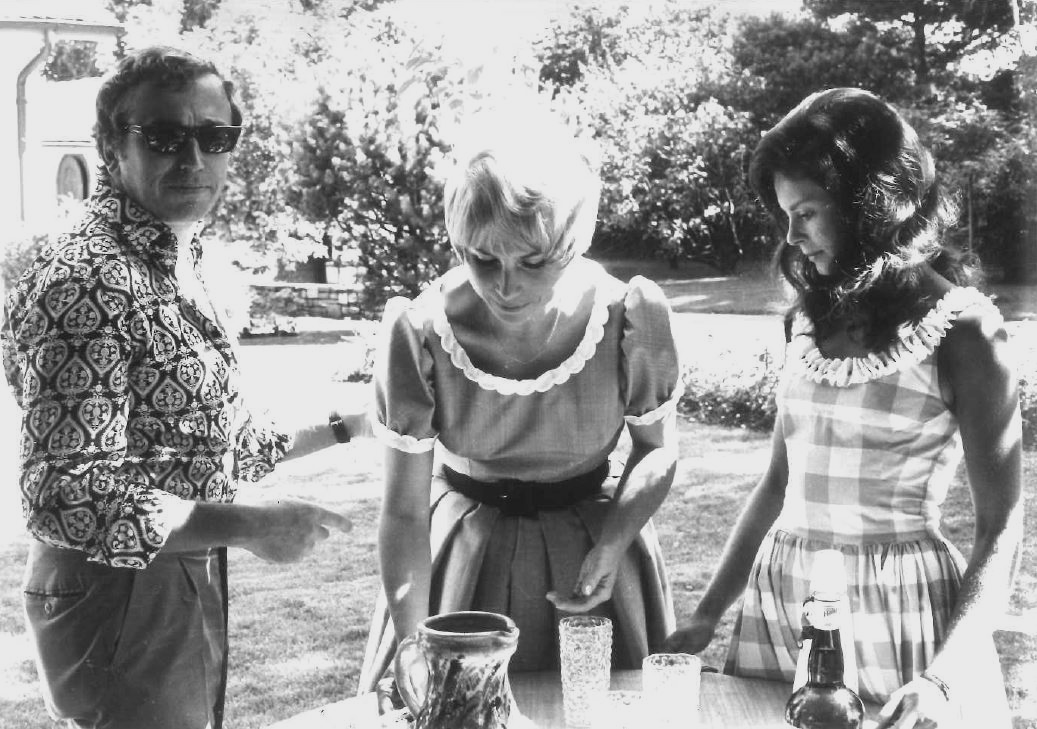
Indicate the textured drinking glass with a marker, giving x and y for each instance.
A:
(669, 680)
(585, 643)
(619, 710)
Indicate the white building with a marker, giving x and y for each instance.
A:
(46, 147)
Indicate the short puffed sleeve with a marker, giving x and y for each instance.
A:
(404, 402)
(651, 366)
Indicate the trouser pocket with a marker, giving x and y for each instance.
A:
(75, 611)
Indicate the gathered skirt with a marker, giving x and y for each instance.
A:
(485, 560)
(901, 597)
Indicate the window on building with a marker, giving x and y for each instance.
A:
(72, 177)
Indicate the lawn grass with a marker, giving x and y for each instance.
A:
(298, 631)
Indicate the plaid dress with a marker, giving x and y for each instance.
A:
(872, 450)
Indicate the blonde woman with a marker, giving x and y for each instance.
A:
(501, 392)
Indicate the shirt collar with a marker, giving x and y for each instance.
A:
(142, 231)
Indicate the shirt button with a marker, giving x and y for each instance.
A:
(48, 608)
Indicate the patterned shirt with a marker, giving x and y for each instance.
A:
(129, 394)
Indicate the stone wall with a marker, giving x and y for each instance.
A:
(334, 301)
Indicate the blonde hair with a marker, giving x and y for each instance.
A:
(526, 176)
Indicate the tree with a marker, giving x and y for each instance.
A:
(779, 61)
(974, 120)
(72, 60)
(266, 48)
(196, 13)
(959, 25)
(121, 8)
(370, 157)
(589, 36)
(672, 155)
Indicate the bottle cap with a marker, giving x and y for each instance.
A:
(827, 574)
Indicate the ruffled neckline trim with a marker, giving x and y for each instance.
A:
(914, 343)
(572, 365)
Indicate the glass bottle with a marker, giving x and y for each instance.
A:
(824, 701)
(828, 602)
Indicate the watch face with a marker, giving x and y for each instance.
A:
(339, 429)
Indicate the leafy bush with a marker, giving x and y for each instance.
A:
(716, 393)
(20, 245)
(370, 158)
(19, 250)
(744, 397)
(364, 372)
(370, 182)
(1025, 357)
(268, 53)
(673, 158)
(1028, 406)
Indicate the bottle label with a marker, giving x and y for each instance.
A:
(823, 614)
(827, 614)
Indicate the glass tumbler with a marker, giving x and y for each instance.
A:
(585, 644)
(619, 710)
(670, 680)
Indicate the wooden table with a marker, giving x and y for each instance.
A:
(726, 702)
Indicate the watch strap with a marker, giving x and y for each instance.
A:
(338, 427)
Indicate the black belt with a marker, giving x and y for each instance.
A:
(526, 498)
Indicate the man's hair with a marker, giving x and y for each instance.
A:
(884, 184)
(167, 68)
(524, 174)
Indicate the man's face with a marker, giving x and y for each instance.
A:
(180, 187)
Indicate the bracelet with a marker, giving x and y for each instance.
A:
(938, 683)
(338, 428)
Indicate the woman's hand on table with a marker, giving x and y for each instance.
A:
(691, 639)
(918, 703)
(595, 583)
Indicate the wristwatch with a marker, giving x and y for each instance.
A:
(338, 427)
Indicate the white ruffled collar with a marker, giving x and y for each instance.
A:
(572, 365)
(914, 343)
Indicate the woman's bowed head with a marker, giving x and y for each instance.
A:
(862, 210)
(519, 213)
(895, 369)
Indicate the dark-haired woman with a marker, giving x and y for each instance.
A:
(894, 368)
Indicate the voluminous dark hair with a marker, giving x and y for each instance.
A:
(165, 67)
(883, 181)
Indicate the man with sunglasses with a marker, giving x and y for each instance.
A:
(134, 431)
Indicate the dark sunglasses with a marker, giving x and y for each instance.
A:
(172, 138)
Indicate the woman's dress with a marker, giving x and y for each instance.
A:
(872, 449)
(561, 424)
